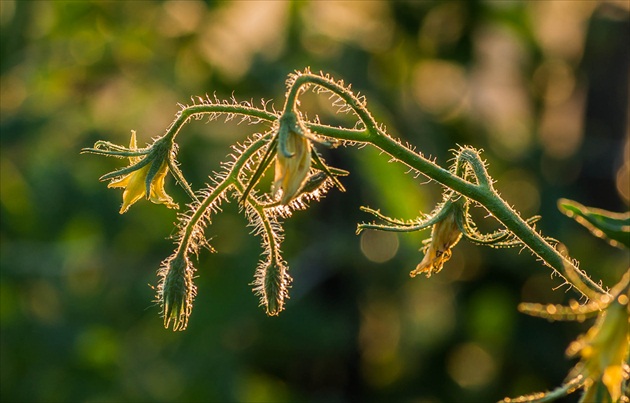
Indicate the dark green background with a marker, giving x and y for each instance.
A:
(77, 317)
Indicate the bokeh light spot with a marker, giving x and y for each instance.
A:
(471, 366)
(439, 86)
(379, 246)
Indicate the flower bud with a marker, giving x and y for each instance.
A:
(272, 285)
(176, 292)
(292, 171)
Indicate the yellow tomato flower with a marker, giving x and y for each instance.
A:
(291, 172)
(135, 186)
(444, 235)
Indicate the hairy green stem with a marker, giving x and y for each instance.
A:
(482, 192)
(372, 134)
(487, 197)
(208, 109)
(182, 249)
(189, 112)
(344, 93)
(225, 184)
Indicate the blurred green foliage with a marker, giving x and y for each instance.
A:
(541, 86)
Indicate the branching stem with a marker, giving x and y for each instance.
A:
(215, 193)
(481, 192)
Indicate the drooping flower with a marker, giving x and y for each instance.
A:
(293, 163)
(146, 181)
(444, 235)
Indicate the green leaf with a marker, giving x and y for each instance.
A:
(612, 227)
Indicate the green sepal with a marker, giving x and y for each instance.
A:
(158, 155)
(153, 170)
(113, 153)
(331, 172)
(126, 170)
(107, 148)
(287, 125)
(503, 238)
(179, 177)
(313, 182)
(395, 225)
(610, 226)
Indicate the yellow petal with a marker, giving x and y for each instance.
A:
(613, 378)
(136, 188)
(444, 235)
(427, 263)
(120, 183)
(432, 262)
(158, 194)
